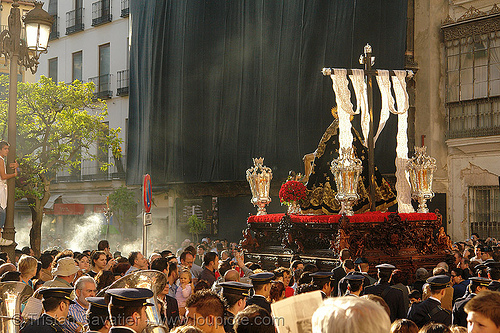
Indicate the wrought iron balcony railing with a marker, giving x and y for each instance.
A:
(125, 8)
(74, 21)
(101, 12)
(122, 82)
(474, 118)
(102, 86)
(90, 170)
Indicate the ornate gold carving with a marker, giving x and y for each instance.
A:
(471, 13)
(463, 27)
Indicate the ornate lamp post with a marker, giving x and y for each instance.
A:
(26, 54)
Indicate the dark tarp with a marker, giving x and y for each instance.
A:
(215, 83)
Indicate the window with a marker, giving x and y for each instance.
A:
(53, 69)
(473, 67)
(77, 66)
(484, 211)
(104, 68)
(472, 46)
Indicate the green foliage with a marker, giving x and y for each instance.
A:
(124, 206)
(58, 124)
(196, 226)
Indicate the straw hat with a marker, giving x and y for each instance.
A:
(65, 267)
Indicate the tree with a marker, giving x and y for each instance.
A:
(196, 226)
(57, 126)
(123, 205)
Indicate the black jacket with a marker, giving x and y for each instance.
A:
(260, 301)
(338, 274)
(393, 297)
(459, 315)
(44, 324)
(427, 311)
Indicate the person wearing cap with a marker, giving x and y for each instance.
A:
(355, 282)
(323, 282)
(127, 309)
(205, 311)
(364, 268)
(493, 269)
(477, 284)
(85, 287)
(430, 309)
(342, 286)
(235, 294)
(98, 315)
(56, 302)
(392, 296)
(487, 254)
(262, 287)
(64, 274)
(339, 271)
(483, 313)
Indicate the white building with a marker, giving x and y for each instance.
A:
(89, 42)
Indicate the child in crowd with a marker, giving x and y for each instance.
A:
(184, 291)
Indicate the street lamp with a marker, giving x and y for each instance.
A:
(26, 54)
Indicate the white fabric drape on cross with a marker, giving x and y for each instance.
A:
(344, 107)
(345, 110)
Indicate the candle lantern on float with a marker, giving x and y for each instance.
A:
(421, 168)
(346, 170)
(259, 177)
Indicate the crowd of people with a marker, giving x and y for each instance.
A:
(210, 288)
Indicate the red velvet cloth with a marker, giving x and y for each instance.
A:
(356, 218)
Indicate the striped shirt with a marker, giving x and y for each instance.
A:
(79, 313)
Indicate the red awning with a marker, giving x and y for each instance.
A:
(69, 209)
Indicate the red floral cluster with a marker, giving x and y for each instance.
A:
(292, 190)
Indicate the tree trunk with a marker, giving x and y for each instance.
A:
(36, 206)
(36, 226)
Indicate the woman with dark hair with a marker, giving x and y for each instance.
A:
(400, 281)
(104, 279)
(277, 292)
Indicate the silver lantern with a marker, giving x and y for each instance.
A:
(259, 177)
(421, 168)
(346, 170)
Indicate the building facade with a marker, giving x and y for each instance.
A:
(457, 99)
(89, 43)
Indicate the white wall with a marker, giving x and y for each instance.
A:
(115, 33)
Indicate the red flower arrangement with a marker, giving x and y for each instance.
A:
(292, 190)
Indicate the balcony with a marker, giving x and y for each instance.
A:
(125, 8)
(122, 83)
(90, 170)
(54, 31)
(101, 12)
(74, 21)
(102, 86)
(474, 118)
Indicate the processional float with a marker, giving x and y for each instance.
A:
(408, 237)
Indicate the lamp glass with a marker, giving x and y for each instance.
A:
(37, 36)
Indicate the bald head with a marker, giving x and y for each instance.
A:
(232, 275)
